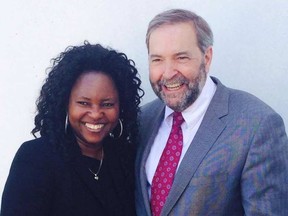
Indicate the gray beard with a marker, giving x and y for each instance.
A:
(189, 97)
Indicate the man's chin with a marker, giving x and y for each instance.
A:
(173, 103)
(179, 102)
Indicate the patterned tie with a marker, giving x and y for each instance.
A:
(164, 175)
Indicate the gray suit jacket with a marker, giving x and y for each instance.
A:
(237, 164)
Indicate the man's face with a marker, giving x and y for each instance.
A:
(178, 69)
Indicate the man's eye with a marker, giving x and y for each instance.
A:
(156, 60)
(182, 57)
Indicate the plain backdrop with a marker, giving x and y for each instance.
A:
(250, 49)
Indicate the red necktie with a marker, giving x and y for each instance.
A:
(166, 169)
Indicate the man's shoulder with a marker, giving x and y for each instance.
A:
(151, 112)
(152, 106)
(239, 100)
(242, 100)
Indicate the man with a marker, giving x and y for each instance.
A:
(229, 156)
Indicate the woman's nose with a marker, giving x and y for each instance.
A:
(95, 112)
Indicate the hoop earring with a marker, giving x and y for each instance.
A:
(66, 123)
(121, 131)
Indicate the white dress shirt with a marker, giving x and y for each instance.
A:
(193, 116)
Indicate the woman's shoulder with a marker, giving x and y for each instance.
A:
(39, 144)
(34, 150)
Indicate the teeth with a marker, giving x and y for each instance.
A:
(173, 85)
(94, 126)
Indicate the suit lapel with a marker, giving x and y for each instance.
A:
(152, 123)
(207, 134)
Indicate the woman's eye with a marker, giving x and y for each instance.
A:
(83, 103)
(108, 104)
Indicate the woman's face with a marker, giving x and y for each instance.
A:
(93, 110)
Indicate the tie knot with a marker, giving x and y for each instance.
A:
(177, 119)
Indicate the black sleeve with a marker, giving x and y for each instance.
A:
(29, 187)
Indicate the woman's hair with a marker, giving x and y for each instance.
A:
(203, 31)
(65, 70)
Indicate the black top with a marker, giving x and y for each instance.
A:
(104, 185)
(42, 182)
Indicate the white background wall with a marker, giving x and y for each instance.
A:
(250, 51)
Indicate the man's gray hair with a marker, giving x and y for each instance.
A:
(204, 33)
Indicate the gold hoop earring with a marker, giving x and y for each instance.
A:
(121, 131)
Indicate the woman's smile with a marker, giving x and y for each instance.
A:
(94, 127)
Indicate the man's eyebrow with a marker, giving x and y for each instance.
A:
(176, 54)
(154, 56)
(182, 53)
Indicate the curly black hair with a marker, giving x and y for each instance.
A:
(65, 70)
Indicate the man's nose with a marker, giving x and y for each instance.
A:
(169, 70)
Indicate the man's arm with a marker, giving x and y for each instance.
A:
(265, 175)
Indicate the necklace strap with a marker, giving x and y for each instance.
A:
(96, 177)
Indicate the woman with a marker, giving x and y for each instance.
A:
(83, 162)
